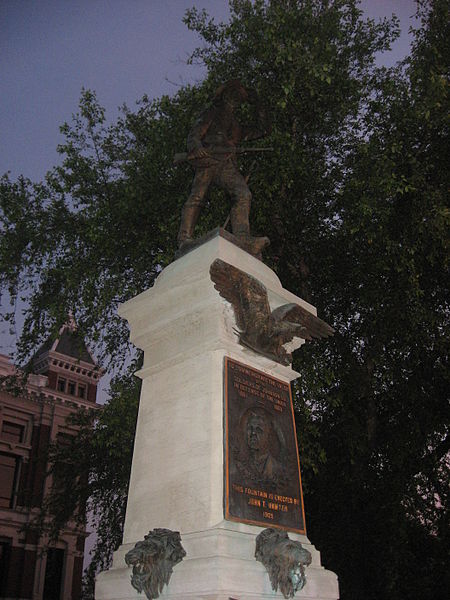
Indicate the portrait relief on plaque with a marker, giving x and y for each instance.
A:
(262, 472)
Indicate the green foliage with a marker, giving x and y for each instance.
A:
(354, 202)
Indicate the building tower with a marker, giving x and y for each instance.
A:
(64, 379)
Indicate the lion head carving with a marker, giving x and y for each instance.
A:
(285, 560)
(153, 560)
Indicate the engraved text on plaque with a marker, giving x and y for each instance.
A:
(262, 473)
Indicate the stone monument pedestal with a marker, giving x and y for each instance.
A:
(186, 329)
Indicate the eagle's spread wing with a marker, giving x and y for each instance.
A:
(294, 313)
(247, 295)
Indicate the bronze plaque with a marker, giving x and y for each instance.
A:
(262, 471)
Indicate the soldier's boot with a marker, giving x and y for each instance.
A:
(241, 228)
(253, 245)
(189, 217)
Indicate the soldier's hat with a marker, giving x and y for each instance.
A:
(233, 84)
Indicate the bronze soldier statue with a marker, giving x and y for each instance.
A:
(212, 147)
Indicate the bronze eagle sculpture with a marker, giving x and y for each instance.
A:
(264, 330)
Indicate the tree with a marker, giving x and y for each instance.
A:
(353, 200)
(384, 420)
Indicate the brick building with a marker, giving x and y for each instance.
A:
(64, 378)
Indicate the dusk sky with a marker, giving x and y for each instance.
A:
(121, 49)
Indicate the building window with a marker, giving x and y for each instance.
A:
(5, 553)
(71, 388)
(12, 432)
(53, 574)
(61, 384)
(64, 439)
(81, 391)
(8, 477)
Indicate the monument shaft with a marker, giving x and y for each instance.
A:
(187, 332)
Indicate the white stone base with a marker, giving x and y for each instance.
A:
(186, 329)
(219, 565)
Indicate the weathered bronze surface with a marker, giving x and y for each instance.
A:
(153, 560)
(262, 473)
(284, 559)
(217, 129)
(261, 329)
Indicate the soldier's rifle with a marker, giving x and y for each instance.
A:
(219, 150)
